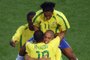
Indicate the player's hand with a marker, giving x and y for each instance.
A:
(56, 34)
(13, 44)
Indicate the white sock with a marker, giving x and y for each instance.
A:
(20, 57)
(77, 59)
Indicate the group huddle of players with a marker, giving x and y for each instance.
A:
(43, 37)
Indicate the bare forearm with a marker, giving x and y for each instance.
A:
(22, 51)
(36, 28)
(61, 34)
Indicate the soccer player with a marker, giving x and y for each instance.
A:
(24, 32)
(40, 50)
(49, 18)
(48, 36)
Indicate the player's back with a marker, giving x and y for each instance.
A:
(41, 50)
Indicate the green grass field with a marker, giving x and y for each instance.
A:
(13, 14)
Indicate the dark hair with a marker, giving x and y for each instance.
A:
(30, 14)
(38, 36)
(48, 6)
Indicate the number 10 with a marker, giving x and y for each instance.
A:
(43, 53)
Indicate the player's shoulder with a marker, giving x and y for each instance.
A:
(24, 26)
(39, 11)
(28, 43)
(58, 12)
(56, 38)
(38, 15)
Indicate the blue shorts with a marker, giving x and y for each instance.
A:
(64, 44)
(31, 39)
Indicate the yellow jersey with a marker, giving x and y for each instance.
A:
(57, 23)
(22, 35)
(39, 50)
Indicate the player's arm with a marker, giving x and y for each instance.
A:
(27, 57)
(62, 33)
(36, 24)
(21, 53)
(58, 55)
(63, 24)
(37, 19)
(17, 35)
(56, 41)
(36, 28)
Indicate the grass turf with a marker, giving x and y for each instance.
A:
(13, 14)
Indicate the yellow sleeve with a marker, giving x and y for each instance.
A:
(17, 35)
(36, 22)
(58, 55)
(37, 18)
(55, 42)
(62, 21)
(27, 47)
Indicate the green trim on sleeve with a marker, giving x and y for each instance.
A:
(48, 26)
(63, 20)
(45, 26)
(54, 17)
(36, 17)
(57, 28)
(20, 41)
(26, 28)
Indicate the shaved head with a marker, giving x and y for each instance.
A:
(50, 32)
(49, 35)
